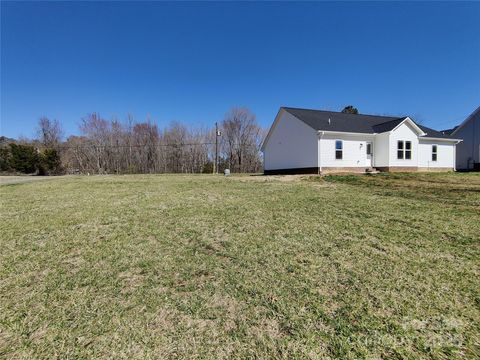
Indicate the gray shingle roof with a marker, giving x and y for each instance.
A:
(449, 131)
(434, 133)
(355, 123)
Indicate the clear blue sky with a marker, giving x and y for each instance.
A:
(191, 62)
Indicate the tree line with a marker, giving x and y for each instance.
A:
(126, 147)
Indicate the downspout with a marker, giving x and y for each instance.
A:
(455, 157)
(473, 146)
(321, 133)
(418, 153)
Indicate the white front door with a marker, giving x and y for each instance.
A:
(369, 150)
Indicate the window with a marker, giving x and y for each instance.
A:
(404, 150)
(369, 149)
(434, 152)
(338, 149)
(408, 150)
(399, 149)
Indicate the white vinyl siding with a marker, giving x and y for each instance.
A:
(354, 152)
(445, 154)
(405, 133)
(292, 144)
(381, 151)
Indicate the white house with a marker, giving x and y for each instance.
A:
(315, 141)
(468, 151)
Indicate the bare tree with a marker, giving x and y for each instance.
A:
(49, 132)
(174, 140)
(96, 130)
(146, 138)
(112, 146)
(241, 140)
(75, 158)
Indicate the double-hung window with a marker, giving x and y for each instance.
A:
(338, 149)
(408, 150)
(404, 150)
(434, 152)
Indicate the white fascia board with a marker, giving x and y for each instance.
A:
(280, 112)
(412, 123)
(441, 139)
(322, 132)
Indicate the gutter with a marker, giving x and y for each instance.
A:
(344, 132)
(456, 141)
(455, 158)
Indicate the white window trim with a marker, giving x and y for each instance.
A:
(436, 153)
(341, 141)
(371, 147)
(404, 149)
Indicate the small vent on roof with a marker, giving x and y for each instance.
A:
(329, 121)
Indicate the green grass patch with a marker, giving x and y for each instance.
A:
(182, 266)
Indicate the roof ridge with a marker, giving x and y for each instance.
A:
(339, 112)
(396, 119)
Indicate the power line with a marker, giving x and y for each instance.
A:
(110, 146)
(132, 145)
(456, 120)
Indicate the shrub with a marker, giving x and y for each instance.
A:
(50, 163)
(5, 159)
(208, 167)
(23, 158)
(28, 160)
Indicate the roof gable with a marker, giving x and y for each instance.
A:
(470, 117)
(270, 131)
(281, 113)
(414, 126)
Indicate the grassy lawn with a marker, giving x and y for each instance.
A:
(384, 266)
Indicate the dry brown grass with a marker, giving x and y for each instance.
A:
(382, 266)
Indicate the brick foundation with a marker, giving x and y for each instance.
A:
(397, 168)
(413, 169)
(435, 169)
(331, 170)
(356, 170)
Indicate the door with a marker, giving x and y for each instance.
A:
(369, 149)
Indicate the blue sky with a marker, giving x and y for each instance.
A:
(191, 62)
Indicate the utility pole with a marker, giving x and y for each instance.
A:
(216, 149)
(215, 164)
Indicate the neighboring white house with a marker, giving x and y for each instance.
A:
(315, 141)
(468, 151)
